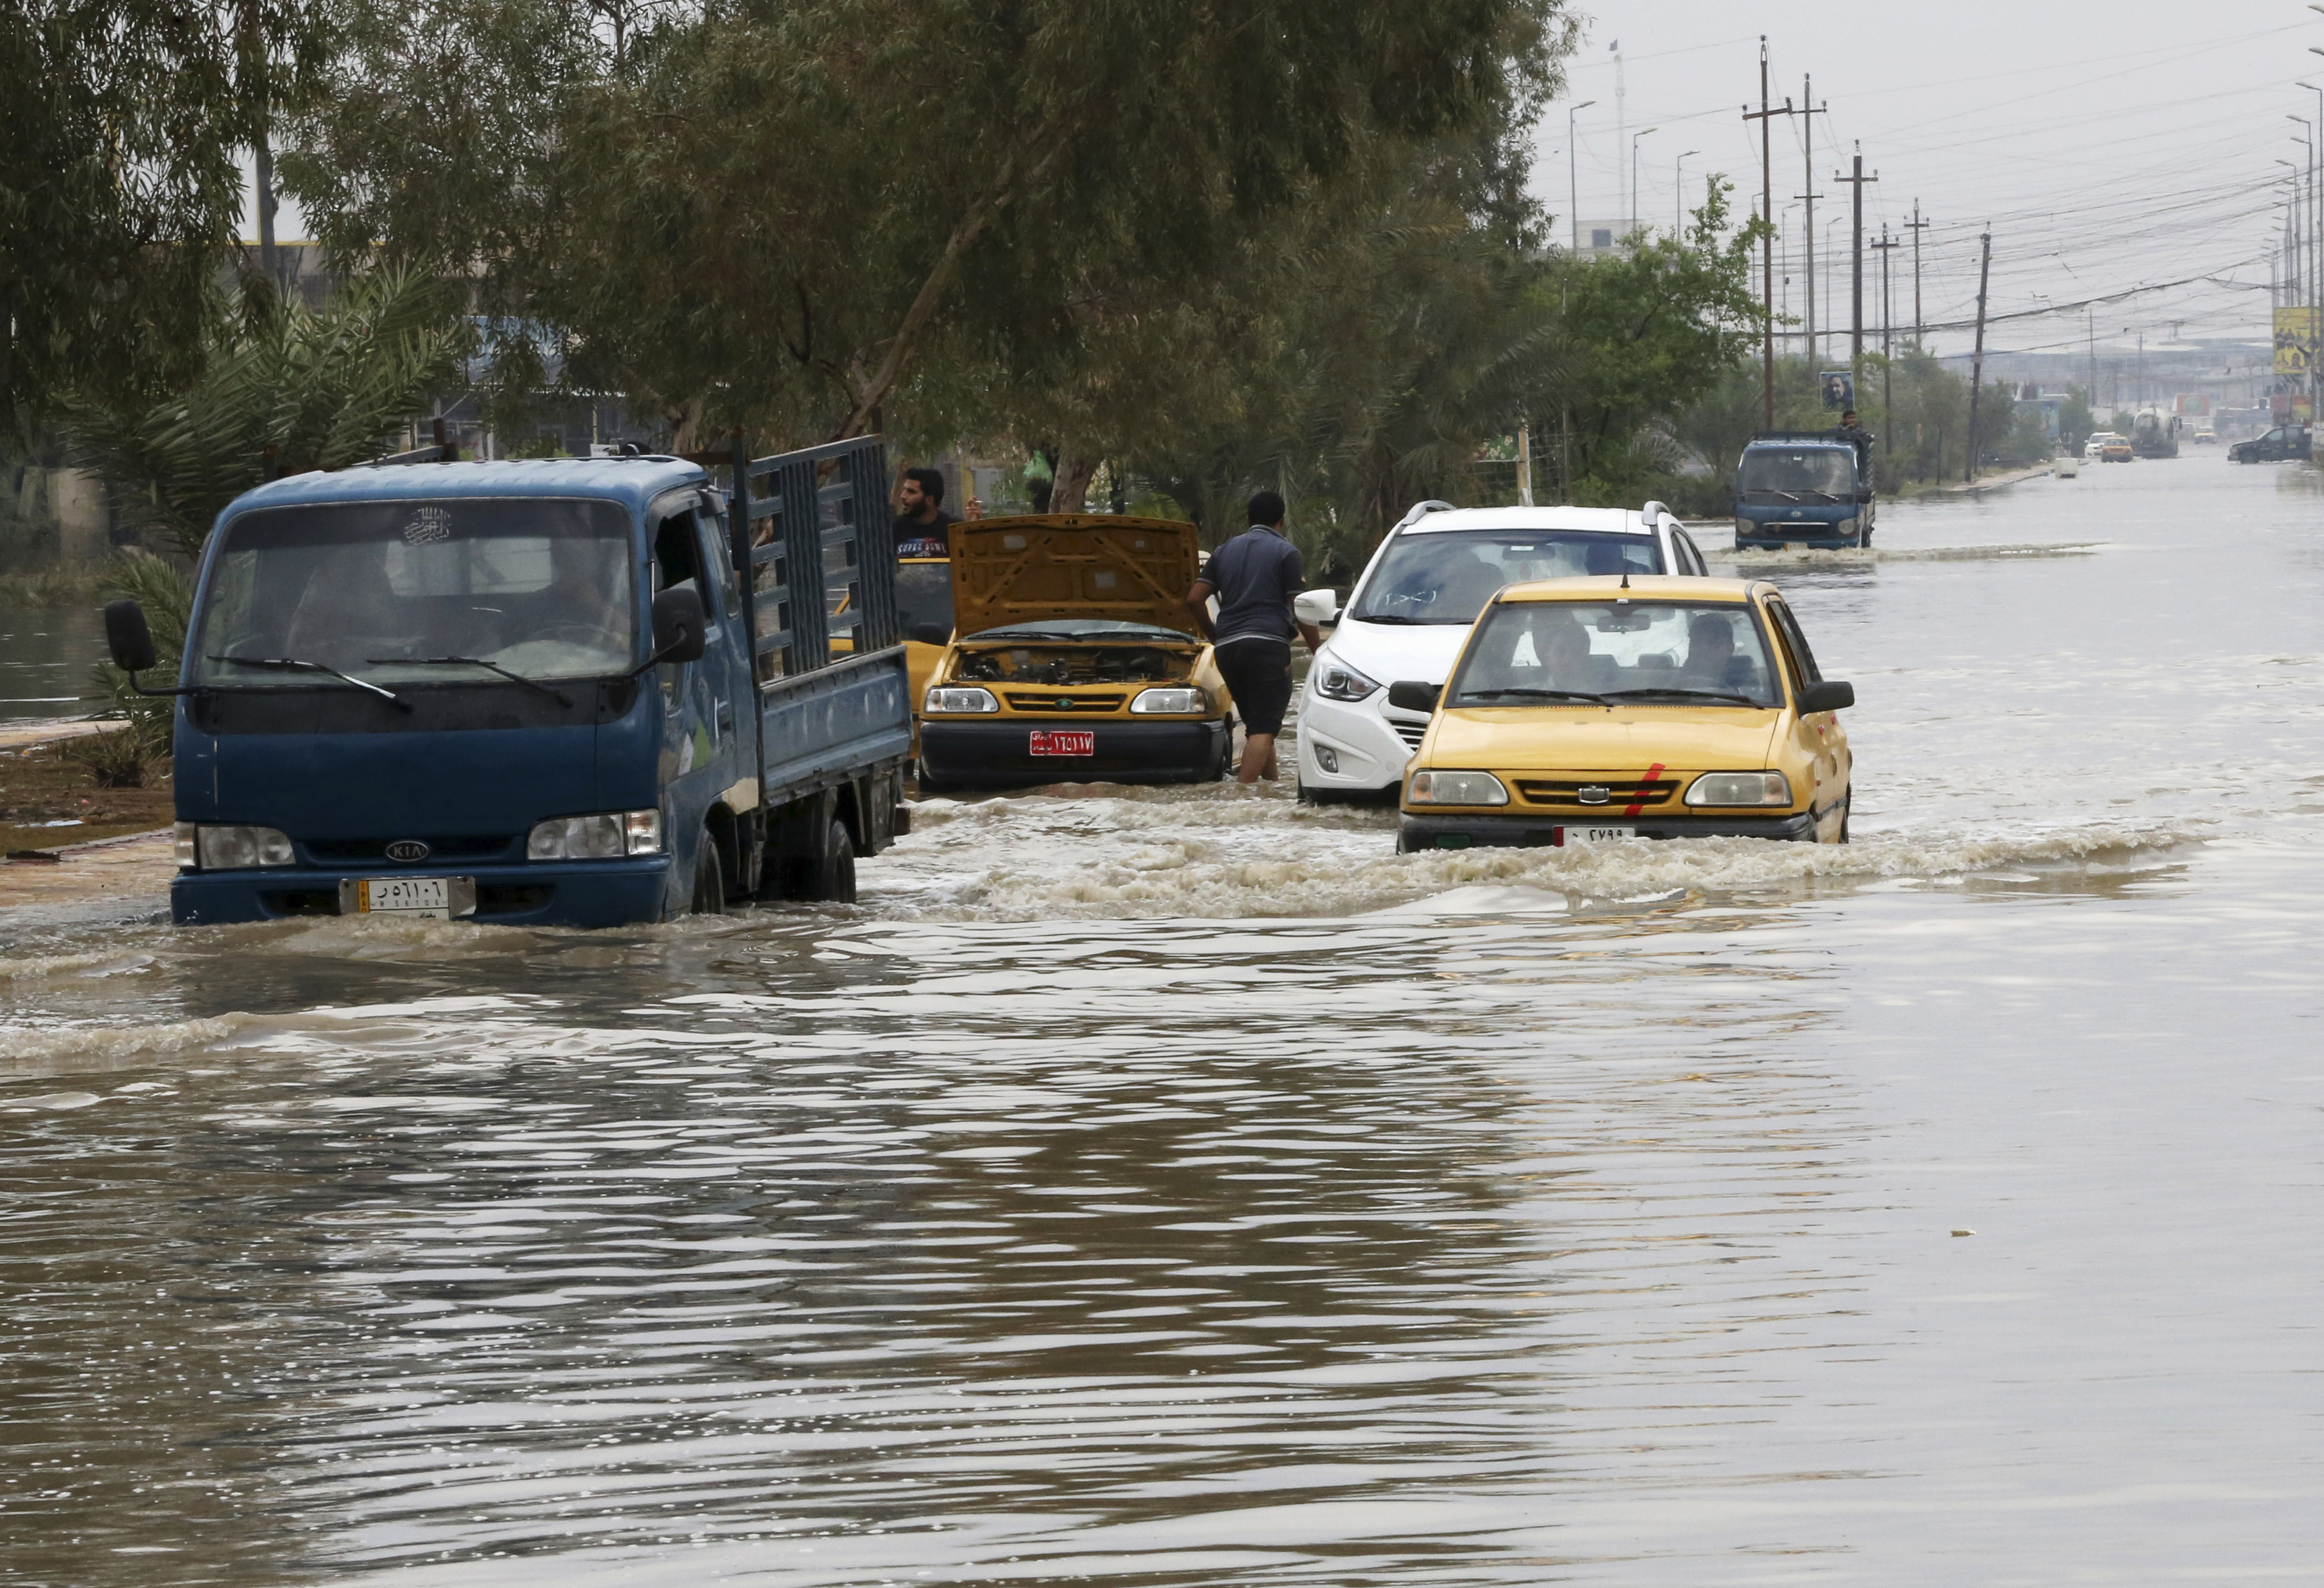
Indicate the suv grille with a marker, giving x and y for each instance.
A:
(1062, 704)
(1621, 793)
(1410, 733)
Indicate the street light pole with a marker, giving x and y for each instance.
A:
(1678, 191)
(1641, 132)
(1573, 174)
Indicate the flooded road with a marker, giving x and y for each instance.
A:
(1180, 1187)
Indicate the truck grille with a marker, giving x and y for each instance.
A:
(1621, 793)
(459, 847)
(1062, 705)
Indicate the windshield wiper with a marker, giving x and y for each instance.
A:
(558, 696)
(291, 664)
(1392, 617)
(1533, 693)
(1685, 695)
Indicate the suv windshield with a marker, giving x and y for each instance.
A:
(1797, 474)
(1647, 653)
(540, 588)
(1446, 577)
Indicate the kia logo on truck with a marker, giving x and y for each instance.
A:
(409, 850)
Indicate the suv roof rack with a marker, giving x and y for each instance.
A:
(1421, 510)
(1832, 437)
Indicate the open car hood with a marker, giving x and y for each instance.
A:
(1007, 571)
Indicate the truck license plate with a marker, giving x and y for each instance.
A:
(1065, 742)
(434, 898)
(1571, 836)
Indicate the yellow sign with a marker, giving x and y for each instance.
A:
(2295, 341)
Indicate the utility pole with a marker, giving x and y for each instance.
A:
(1621, 122)
(1887, 246)
(2092, 316)
(1976, 361)
(1572, 179)
(1764, 116)
(1919, 226)
(1856, 332)
(1809, 113)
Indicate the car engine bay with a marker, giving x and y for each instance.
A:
(1073, 664)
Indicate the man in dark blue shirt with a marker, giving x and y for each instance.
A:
(1255, 576)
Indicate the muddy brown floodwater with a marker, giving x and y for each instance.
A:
(1182, 1189)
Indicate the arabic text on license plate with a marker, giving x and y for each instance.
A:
(1063, 742)
(404, 896)
(1573, 836)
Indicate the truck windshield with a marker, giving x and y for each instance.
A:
(1797, 474)
(541, 588)
(1447, 576)
(1638, 652)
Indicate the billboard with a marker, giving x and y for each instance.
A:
(1840, 390)
(2295, 341)
(2193, 404)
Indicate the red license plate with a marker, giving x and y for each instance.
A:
(1063, 742)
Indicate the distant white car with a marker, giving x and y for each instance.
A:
(2097, 445)
(1410, 614)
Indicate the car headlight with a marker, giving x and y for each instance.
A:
(1152, 702)
(232, 849)
(605, 835)
(954, 699)
(1846, 526)
(1336, 681)
(1436, 787)
(1741, 788)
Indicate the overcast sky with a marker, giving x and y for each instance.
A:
(2109, 146)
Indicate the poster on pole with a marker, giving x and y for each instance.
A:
(2295, 341)
(1840, 388)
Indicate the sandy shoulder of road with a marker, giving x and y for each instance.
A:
(138, 866)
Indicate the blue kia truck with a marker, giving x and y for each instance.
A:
(577, 692)
(1802, 488)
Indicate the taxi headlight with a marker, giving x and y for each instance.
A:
(234, 849)
(1336, 681)
(1436, 787)
(1741, 788)
(605, 835)
(1153, 702)
(951, 699)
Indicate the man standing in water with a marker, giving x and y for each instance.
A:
(1255, 576)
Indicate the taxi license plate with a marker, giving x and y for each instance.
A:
(1571, 836)
(429, 898)
(1065, 742)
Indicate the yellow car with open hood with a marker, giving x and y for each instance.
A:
(1070, 658)
(1591, 711)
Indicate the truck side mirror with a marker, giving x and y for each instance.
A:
(128, 636)
(931, 634)
(678, 626)
(1316, 606)
(1413, 695)
(1830, 694)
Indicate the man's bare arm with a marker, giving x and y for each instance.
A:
(1313, 636)
(1198, 603)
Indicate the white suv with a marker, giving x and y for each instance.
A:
(1410, 613)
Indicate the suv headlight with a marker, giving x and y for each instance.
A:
(606, 836)
(1741, 788)
(1336, 681)
(1152, 702)
(232, 849)
(954, 699)
(1436, 787)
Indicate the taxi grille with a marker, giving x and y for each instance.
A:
(1621, 793)
(1062, 704)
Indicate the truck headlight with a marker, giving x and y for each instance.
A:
(1436, 787)
(959, 699)
(1846, 526)
(1336, 681)
(606, 836)
(1166, 702)
(1741, 788)
(233, 849)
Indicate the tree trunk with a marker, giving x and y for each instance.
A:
(686, 421)
(1070, 494)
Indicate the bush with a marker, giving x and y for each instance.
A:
(117, 759)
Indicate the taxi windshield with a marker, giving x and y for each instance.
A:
(923, 595)
(1446, 577)
(1635, 653)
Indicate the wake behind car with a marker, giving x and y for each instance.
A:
(1589, 711)
(1411, 610)
(1069, 658)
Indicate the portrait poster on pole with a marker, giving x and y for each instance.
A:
(1839, 389)
(2295, 341)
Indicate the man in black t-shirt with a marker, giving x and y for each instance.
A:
(922, 525)
(1255, 577)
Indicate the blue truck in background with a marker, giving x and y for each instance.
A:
(1802, 488)
(578, 692)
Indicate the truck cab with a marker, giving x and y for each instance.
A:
(1802, 488)
(539, 693)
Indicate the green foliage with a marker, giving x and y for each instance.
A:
(2076, 423)
(323, 387)
(114, 759)
(168, 597)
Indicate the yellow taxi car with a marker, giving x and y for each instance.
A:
(2118, 450)
(1070, 658)
(1592, 711)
